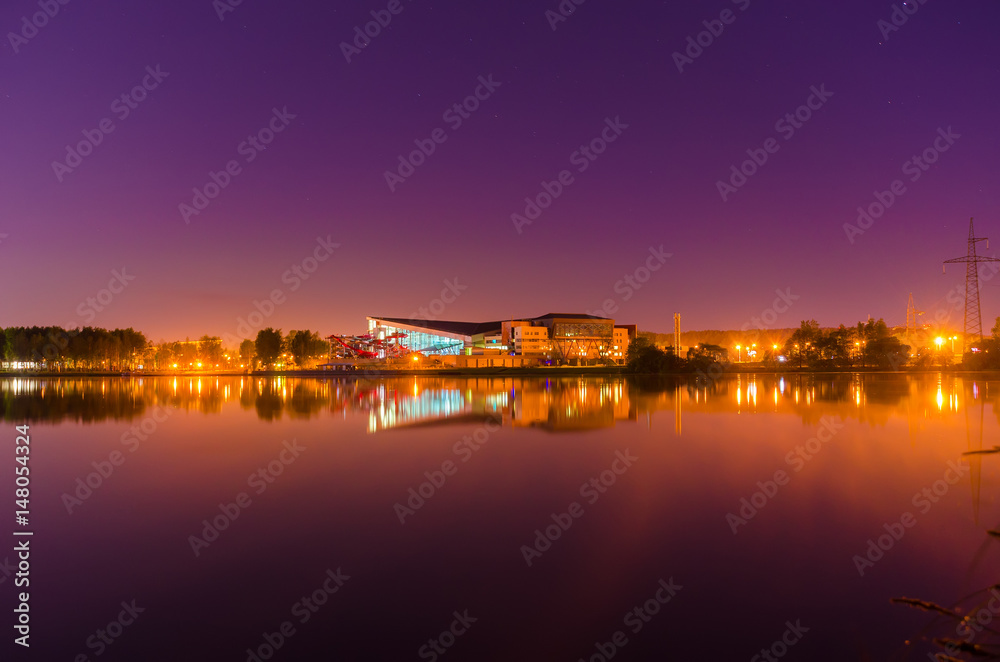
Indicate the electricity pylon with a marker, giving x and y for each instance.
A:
(973, 319)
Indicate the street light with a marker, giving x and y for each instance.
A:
(739, 354)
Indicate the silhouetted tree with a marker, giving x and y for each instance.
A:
(643, 357)
(210, 349)
(708, 351)
(248, 350)
(268, 345)
(304, 345)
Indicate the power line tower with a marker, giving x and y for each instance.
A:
(911, 319)
(973, 319)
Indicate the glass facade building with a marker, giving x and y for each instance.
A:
(425, 342)
(576, 338)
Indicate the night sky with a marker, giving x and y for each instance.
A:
(67, 225)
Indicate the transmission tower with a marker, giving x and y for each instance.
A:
(973, 320)
(911, 319)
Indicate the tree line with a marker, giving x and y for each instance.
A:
(868, 344)
(91, 348)
(81, 348)
(986, 354)
(270, 349)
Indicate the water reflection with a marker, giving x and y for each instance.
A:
(704, 446)
(555, 404)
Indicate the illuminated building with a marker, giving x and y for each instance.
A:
(575, 339)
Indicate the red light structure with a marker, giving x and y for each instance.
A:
(369, 347)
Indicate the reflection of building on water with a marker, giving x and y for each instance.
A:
(556, 405)
(552, 404)
(574, 405)
(391, 408)
(567, 403)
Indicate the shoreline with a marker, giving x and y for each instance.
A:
(547, 371)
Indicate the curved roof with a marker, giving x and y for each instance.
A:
(470, 329)
(445, 326)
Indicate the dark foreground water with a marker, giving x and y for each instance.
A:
(499, 519)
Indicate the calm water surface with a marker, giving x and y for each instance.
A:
(532, 517)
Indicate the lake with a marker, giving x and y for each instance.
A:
(424, 518)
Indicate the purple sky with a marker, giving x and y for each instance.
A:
(656, 184)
